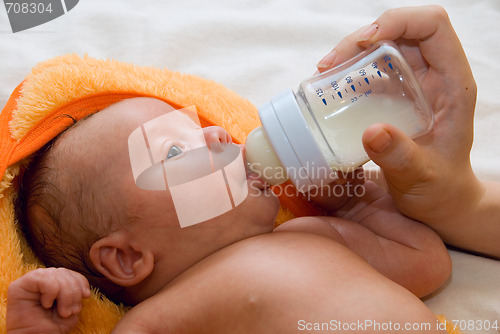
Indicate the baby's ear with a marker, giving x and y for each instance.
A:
(125, 265)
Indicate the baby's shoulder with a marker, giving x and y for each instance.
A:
(246, 283)
(321, 226)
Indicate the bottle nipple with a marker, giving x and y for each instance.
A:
(262, 159)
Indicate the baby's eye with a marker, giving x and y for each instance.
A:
(174, 151)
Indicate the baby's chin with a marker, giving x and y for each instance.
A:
(257, 213)
(263, 207)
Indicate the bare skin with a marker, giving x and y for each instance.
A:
(268, 283)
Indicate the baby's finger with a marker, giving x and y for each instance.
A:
(48, 286)
(351, 177)
(84, 283)
(69, 299)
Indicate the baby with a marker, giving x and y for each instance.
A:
(351, 271)
(230, 272)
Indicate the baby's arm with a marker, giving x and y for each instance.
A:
(45, 300)
(402, 249)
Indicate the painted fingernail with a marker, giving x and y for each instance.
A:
(327, 60)
(380, 141)
(368, 32)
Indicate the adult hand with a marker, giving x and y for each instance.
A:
(424, 176)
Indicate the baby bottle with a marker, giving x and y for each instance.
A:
(310, 135)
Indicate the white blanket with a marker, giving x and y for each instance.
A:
(260, 47)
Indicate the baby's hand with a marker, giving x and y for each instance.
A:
(336, 194)
(46, 300)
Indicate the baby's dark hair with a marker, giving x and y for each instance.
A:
(58, 213)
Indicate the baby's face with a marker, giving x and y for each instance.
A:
(149, 184)
(200, 167)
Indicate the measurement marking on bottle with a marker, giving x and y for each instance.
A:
(363, 80)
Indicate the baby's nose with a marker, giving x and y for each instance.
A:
(215, 136)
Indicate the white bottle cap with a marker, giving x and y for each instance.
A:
(294, 143)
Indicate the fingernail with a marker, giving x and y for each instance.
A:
(76, 309)
(368, 32)
(327, 60)
(380, 141)
(65, 312)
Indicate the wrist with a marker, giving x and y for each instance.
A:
(466, 198)
(460, 212)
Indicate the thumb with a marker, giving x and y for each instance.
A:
(401, 159)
